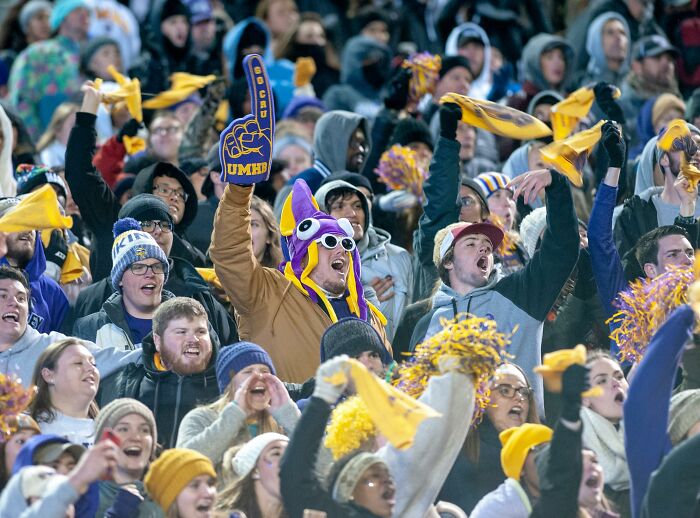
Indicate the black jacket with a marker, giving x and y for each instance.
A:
(168, 395)
(299, 484)
(203, 224)
(183, 281)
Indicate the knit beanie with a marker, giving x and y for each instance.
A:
(173, 8)
(291, 140)
(517, 443)
(237, 357)
(123, 185)
(109, 416)
(168, 475)
(476, 187)
(348, 477)
(531, 228)
(450, 62)
(352, 336)
(145, 207)
(91, 47)
(491, 182)
(31, 176)
(131, 244)
(245, 459)
(411, 130)
(683, 414)
(8, 203)
(30, 9)
(663, 103)
(63, 8)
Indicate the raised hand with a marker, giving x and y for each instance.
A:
(614, 144)
(530, 184)
(245, 146)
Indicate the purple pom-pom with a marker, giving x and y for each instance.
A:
(125, 224)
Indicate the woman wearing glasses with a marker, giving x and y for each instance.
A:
(140, 269)
(477, 471)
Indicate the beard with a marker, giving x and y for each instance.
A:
(176, 362)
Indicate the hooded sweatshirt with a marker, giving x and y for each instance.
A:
(331, 140)
(481, 85)
(379, 259)
(356, 93)
(58, 496)
(597, 69)
(49, 305)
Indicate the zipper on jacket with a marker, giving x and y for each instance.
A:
(173, 434)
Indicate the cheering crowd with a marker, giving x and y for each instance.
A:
(300, 258)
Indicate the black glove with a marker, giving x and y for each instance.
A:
(397, 90)
(130, 129)
(574, 381)
(614, 144)
(604, 97)
(450, 115)
(57, 250)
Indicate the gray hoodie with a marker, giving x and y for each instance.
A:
(481, 86)
(58, 496)
(597, 69)
(531, 69)
(24, 353)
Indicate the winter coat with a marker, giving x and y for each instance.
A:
(270, 310)
(109, 491)
(203, 224)
(169, 396)
(480, 87)
(49, 305)
(646, 409)
(183, 281)
(22, 356)
(53, 503)
(522, 298)
(109, 326)
(597, 68)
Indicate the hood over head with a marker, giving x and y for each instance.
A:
(532, 71)
(327, 188)
(332, 137)
(597, 64)
(481, 85)
(251, 29)
(356, 51)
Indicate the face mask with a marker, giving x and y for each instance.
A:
(303, 50)
(376, 73)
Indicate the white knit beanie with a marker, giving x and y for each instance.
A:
(247, 457)
(531, 228)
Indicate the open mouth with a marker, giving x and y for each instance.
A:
(482, 263)
(11, 316)
(148, 289)
(191, 352)
(620, 397)
(516, 413)
(389, 496)
(132, 451)
(258, 390)
(593, 481)
(90, 379)
(338, 265)
(204, 507)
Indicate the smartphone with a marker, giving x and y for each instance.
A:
(109, 434)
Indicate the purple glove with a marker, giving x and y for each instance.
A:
(245, 145)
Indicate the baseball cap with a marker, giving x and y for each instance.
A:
(200, 11)
(494, 234)
(51, 452)
(652, 46)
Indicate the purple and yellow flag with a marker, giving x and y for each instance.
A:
(566, 114)
(568, 156)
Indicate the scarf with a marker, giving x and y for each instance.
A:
(601, 436)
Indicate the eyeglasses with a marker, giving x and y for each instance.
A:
(141, 269)
(330, 241)
(509, 391)
(150, 226)
(167, 192)
(166, 130)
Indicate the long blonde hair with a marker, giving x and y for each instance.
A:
(60, 114)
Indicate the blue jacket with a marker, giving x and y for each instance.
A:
(646, 409)
(86, 506)
(49, 304)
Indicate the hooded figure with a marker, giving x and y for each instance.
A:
(598, 69)
(481, 85)
(332, 136)
(365, 68)
(379, 257)
(533, 77)
(249, 33)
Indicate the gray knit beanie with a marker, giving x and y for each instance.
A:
(683, 415)
(531, 228)
(109, 416)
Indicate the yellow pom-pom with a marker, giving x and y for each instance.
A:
(426, 72)
(350, 427)
(14, 399)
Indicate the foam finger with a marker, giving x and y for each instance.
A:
(261, 100)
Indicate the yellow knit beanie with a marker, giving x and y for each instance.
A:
(517, 443)
(172, 471)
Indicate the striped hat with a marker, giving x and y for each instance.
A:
(491, 182)
(131, 245)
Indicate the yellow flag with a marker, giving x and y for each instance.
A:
(675, 137)
(569, 156)
(554, 364)
(73, 266)
(395, 414)
(497, 119)
(182, 85)
(133, 145)
(129, 91)
(209, 275)
(566, 114)
(690, 172)
(37, 211)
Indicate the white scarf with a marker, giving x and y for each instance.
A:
(608, 442)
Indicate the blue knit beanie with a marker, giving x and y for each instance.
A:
(63, 8)
(237, 357)
(131, 244)
(491, 182)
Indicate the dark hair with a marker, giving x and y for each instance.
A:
(341, 193)
(176, 307)
(647, 248)
(41, 407)
(15, 274)
(443, 272)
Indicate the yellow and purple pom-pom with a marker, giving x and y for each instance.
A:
(426, 73)
(14, 399)
(644, 306)
(398, 168)
(474, 341)
(349, 428)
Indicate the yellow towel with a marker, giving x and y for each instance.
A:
(568, 156)
(675, 136)
(304, 71)
(73, 266)
(690, 172)
(497, 119)
(129, 91)
(37, 211)
(182, 85)
(209, 275)
(566, 114)
(554, 364)
(395, 414)
(133, 145)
